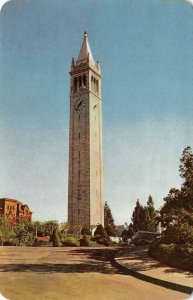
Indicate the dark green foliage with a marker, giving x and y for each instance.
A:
(49, 227)
(45, 228)
(177, 212)
(84, 241)
(175, 255)
(130, 232)
(109, 224)
(101, 237)
(175, 246)
(136, 216)
(7, 234)
(124, 236)
(100, 231)
(151, 220)
(70, 242)
(150, 207)
(55, 238)
(85, 230)
(24, 234)
(144, 217)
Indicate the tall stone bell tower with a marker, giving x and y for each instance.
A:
(85, 183)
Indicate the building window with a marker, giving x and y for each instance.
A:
(7, 206)
(97, 86)
(84, 80)
(79, 81)
(92, 83)
(75, 84)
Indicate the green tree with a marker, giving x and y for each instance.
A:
(24, 234)
(100, 236)
(186, 172)
(109, 223)
(6, 232)
(151, 220)
(49, 226)
(130, 231)
(124, 236)
(137, 216)
(37, 228)
(177, 212)
(144, 217)
(85, 230)
(55, 238)
(151, 208)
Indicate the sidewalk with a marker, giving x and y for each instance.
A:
(138, 263)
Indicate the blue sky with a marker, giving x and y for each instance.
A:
(145, 49)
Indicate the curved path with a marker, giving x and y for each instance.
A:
(71, 273)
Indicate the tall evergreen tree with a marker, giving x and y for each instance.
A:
(152, 221)
(136, 216)
(146, 219)
(143, 217)
(109, 224)
(130, 231)
(151, 208)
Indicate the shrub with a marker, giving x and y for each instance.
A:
(70, 242)
(124, 236)
(55, 238)
(101, 237)
(101, 240)
(85, 230)
(9, 243)
(175, 255)
(84, 241)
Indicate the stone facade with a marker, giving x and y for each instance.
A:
(15, 210)
(85, 187)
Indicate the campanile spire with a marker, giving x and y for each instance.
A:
(85, 50)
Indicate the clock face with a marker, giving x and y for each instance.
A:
(79, 105)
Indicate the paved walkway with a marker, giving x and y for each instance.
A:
(77, 273)
(137, 260)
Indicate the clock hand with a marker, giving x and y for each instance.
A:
(78, 105)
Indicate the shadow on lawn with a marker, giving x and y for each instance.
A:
(139, 261)
(96, 260)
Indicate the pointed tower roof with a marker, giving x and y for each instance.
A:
(85, 50)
